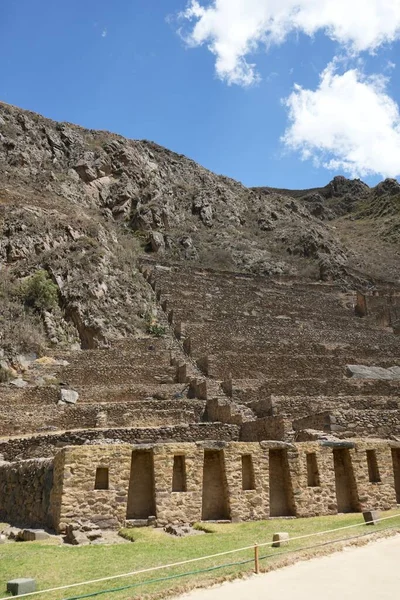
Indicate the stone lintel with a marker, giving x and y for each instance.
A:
(332, 444)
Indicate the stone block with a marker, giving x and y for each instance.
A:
(19, 383)
(368, 372)
(75, 537)
(104, 522)
(41, 535)
(69, 396)
(3, 538)
(129, 523)
(32, 535)
(11, 533)
(89, 527)
(94, 534)
(371, 517)
(280, 539)
(17, 587)
(27, 535)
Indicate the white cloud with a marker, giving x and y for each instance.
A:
(104, 33)
(234, 29)
(349, 122)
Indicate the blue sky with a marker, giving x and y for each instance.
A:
(122, 66)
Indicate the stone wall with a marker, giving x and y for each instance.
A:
(25, 490)
(353, 423)
(266, 428)
(280, 483)
(383, 307)
(153, 413)
(81, 500)
(302, 406)
(227, 411)
(321, 421)
(377, 423)
(48, 445)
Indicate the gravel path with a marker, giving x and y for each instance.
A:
(371, 572)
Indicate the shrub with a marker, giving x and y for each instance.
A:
(20, 330)
(154, 327)
(39, 292)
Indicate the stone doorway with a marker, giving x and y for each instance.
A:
(346, 488)
(396, 472)
(141, 500)
(215, 505)
(281, 502)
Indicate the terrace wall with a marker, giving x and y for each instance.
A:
(25, 491)
(229, 496)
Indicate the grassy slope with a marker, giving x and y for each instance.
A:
(53, 565)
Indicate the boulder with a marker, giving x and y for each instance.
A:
(395, 371)
(68, 396)
(181, 530)
(19, 383)
(75, 537)
(157, 242)
(186, 241)
(94, 534)
(11, 533)
(367, 372)
(86, 172)
(33, 535)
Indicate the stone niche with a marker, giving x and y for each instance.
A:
(179, 474)
(111, 485)
(346, 487)
(215, 497)
(141, 498)
(281, 500)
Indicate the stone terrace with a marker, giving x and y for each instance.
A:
(136, 383)
(280, 348)
(243, 358)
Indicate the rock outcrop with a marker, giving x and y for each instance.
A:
(83, 206)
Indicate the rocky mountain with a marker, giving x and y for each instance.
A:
(79, 209)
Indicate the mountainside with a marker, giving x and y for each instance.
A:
(78, 208)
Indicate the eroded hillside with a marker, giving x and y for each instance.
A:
(79, 208)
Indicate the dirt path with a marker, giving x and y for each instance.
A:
(371, 572)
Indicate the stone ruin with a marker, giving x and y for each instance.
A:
(262, 399)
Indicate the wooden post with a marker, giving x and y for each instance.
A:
(256, 560)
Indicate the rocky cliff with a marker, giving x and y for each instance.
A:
(79, 208)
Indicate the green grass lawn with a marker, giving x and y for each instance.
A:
(55, 565)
